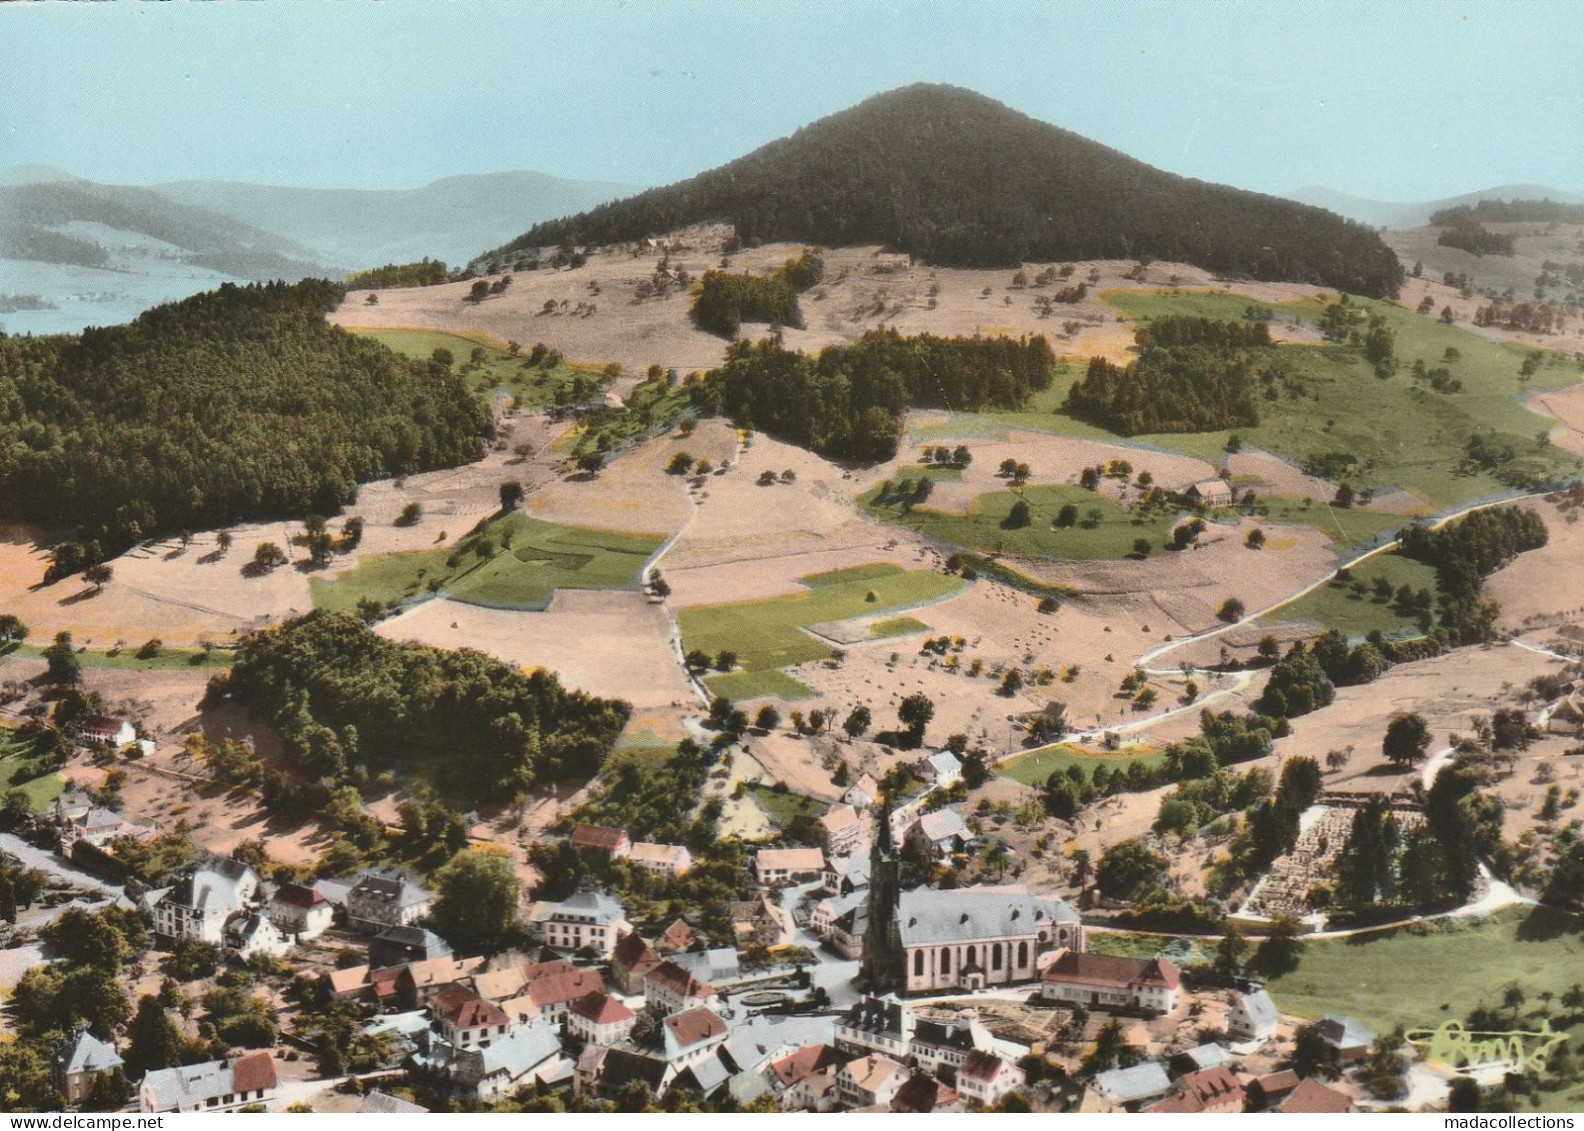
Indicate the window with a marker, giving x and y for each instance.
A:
(1022, 954)
(918, 963)
(995, 957)
(945, 960)
(973, 956)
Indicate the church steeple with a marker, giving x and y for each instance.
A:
(884, 968)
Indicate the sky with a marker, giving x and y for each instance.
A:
(1405, 100)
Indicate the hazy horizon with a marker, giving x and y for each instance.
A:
(1402, 104)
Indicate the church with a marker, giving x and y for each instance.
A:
(958, 939)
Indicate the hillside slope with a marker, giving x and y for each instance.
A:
(960, 180)
(1392, 214)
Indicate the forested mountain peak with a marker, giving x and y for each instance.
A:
(959, 179)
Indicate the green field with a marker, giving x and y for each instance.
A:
(1338, 605)
(1421, 975)
(784, 806)
(1403, 435)
(1036, 766)
(511, 562)
(758, 685)
(497, 372)
(1133, 945)
(1105, 529)
(769, 634)
(897, 626)
(40, 790)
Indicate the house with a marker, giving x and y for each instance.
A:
(1214, 1091)
(870, 1081)
(786, 1071)
(102, 730)
(300, 911)
(612, 842)
(668, 989)
(1253, 1017)
(706, 1077)
(849, 924)
(1099, 981)
(549, 991)
(216, 1085)
(409, 986)
(970, 938)
(691, 1035)
(863, 793)
(940, 770)
(1127, 1088)
(678, 937)
(1567, 716)
(397, 946)
(814, 1092)
(467, 1020)
(596, 1018)
(924, 1095)
(348, 983)
(248, 933)
(664, 859)
(602, 1072)
(941, 1048)
(1199, 1058)
(717, 966)
(1350, 1039)
(823, 916)
(585, 920)
(1210, 493)
(876, 1025)
(938, 836)
(759, 922)
(631, 959)
(529, 1054)
(841, 830)
(378, 901)
(78, 1062)
(1311, 1097)
(408, 1032)
(92, 824)
(1266, 1092)
(203, 897)
(775, 866)
(987, 1079)
(845, 874)
(383, 1103)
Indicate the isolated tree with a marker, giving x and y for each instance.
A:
(1018, 516)
(1067, 516)
(154, 1040)
(1230, 954)
(1231, 610)
(1129, 870)
(857, 722)
(223, 541)
(915, 713)
(98, 575)
(12, 630)
(511, 493)
(1407, 738)
(726, 661)
(1255, 539)
(64, 666)
(476, 896)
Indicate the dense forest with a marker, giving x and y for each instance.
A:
(238, 404)
(1192, 376)
(1474, 237)
(959, 180)
(1466, 553)
(347, 702)
(847, 402)
(425, 273)
(1510, 212)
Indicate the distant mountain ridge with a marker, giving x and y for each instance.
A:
(958, 179)
(1391, 214)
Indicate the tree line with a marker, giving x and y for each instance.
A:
(1467, 552)
(425, 273)
(847, 401)
(347, 701)
(235, 405)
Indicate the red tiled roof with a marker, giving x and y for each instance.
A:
(981, 1065)
(922, 1095)
(1278, 1083)
(633, 953)
(469, 1011)
(559, 988)
(1106, 970)
(296, 895)
(253, 1072)
(694, 1026)
(597, 836)
(1313, 1098)
(1213, 1085)
(678, 936)
(532, 971)
(102, 726)
(805, 1062)
(1180, 1104)
(672, 977)
(601, 1008)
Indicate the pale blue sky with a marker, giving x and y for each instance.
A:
(1397, 99)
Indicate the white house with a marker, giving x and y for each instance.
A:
(102, 730)
(870, 1081)
(596, 1018)
(216, 1085)
(787, 865)
(377, 901)
(203, 897)
(300, 911)
(941, 770)
(585, 919)
(248, 933)
(862, 793)
(940, 835)
(1100, 981)
(666, 859)
(987, 1079)
(842, 830)
(845, 874)
(1253, 1017)
(692, 1035)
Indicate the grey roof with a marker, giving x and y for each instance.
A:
(1207, 1056)
(1344, 1032)
(718, 965)
(841, 904)
(750, 1045)
(875, 1015)
(400, 891)
(1260, 1008)
(174, 1088)
(853, 866)
(598, 905)
(84, 1052)
(520, 1051)
(944, 1034)
(1128, 1085)
(745, 1087)
(383, 1103)
(410, 936)
(927, 916)
(210, 888)
(710, 1073)
(943, 823)
(944, 763)
(406, 1024)
(334, 890)
(622, 1065)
